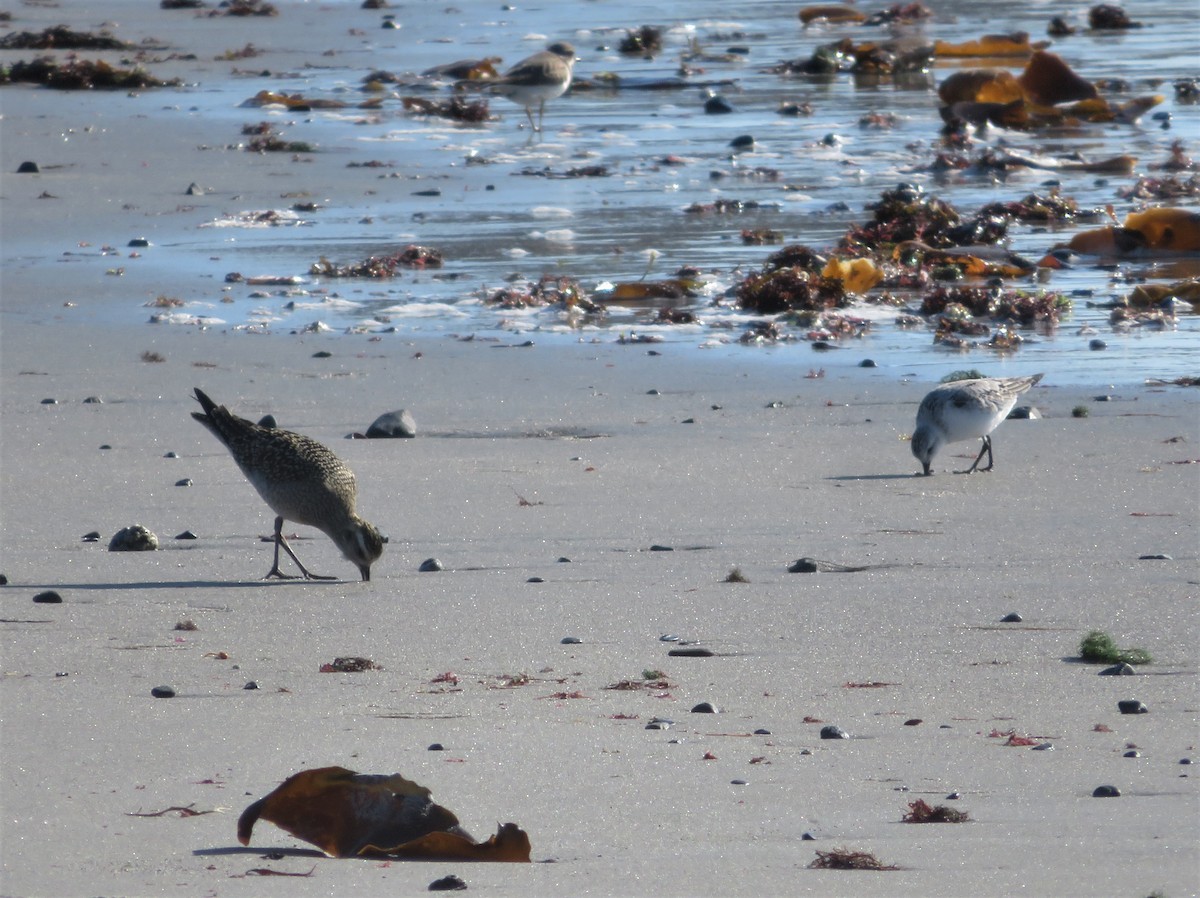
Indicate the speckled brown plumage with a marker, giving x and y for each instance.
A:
(301, 481)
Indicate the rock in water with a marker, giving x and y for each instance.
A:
(133, 539)
(399, 423)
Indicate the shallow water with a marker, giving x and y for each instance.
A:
(494, 217)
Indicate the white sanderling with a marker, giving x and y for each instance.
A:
(963, 410)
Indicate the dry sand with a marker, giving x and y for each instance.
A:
(607, 470)
(530, 455)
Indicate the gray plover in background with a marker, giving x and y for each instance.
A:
(536, 79)
(963, 410)
(301, 480)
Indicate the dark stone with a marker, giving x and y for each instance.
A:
(429, 565)
(93, 400)
(1156, 557)
(803, 566)
(187, 481)
(742, 142)
(867, 363)
(833, 732)
(1185, 760)
(668, 637)
(3, 580)
(187, 534)
(92, 537)
(1025, 413)
(449, 883)
(571, 640)
(171, 454)
(688, 421)
(322, 354)
(954, 796)
(133, 539)
(49, 401)
(762, 732)
(536, 580)
(1132, 753)
(49, 597)
(1132, 706)
(1097, 345)
(436, 746)
(691, 652)
(1106, 792)
(251, 685)
(139, 242)
(658, 548)
(268, 421)
(808, 837)
(717, 105)
(194, 189)
(162, 692)
(704, 708)
(1119, 670)
(1011, 618)
(104, 446)
(398, 424)
(738, 783)
(913, 721)
(564, 560)
(28, 168)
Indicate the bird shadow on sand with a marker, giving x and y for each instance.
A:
(853, 477)
(185, 584)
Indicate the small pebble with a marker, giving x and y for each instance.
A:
(659, 723)
(536, 580)
(571, 640)
(1132, 706)
(162, 692)
(717, 105)
(742, 142)
(808, 837)
(187, 534)
(449, 883)
(186, 481)
(1185, 760)
(92, 537)
(105, 446)
(738, 783)
(1106, 792)
(803, 566)
(1119, 670)
(954, 796)
(1155, 557)
(658, 548)
(704, 708)
(139, 242)
(250, 685)
(93, 400)
(564, 560)
(49, 597)
(833, 732)
(268, 421)
(688, 421)
(1044, 746)
(867, 363)
(912, 722)
(194, 189)
(133, 539)
(1097, 345)
(399, 424)
(1132, 753)
(691, 652)
(436, 746)
(3, 580)
(668, 637)
(1102, 399)
(430, 564)
(322, 354)
(762, 732)
(1011, 618)
(49, 401)
(171, 454)
(28, 168)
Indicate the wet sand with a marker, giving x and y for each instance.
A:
(567, 465)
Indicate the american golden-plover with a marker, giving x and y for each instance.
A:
(963, 410)
(301, 480)
(538, 78)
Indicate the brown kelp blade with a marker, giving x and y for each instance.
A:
(349, 814)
